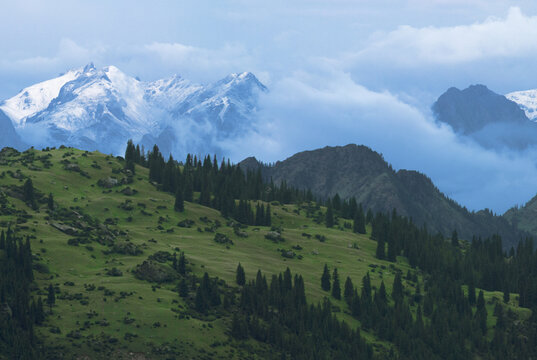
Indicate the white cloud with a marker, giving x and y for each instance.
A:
(305, 111)
(513, 36)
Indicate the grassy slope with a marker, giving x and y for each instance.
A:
(149, 305)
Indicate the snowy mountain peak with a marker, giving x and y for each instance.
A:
(527, 100)
(100, 108)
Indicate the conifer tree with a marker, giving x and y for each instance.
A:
(397, 289)
(455, 239)
(348, 291)
(336, 288)
(50, 201)
(471, 291)
(325, 279)
(381, 249)
(181, 265)
(481, 313)
(51, 297)
(268, 219)
(329, 217)
(240, 277)
(130, 156)
(359, 221)
(183, 288)
(28, 193)
(179, 203)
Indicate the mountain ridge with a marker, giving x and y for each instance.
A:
(100, 109)
(357, 171)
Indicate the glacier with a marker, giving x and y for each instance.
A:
(100, 109)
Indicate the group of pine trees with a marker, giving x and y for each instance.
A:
(219, 186)
(277, 313)
(18, 312)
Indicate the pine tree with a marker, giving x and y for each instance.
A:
(130, 156)
(181, 265)
(325, 279)
(348, 291)
(471, 292)
(481, 313)
(179, 203)
(183, 288)
(506, 294)
(51, 297)
(240, 277)
(29, 193)
(397, 289)
(381, 249)
(50, 201)
(336, 289)
(329, 217)
(455, 239)
(268, 219)
(200, 302)
(359, 221)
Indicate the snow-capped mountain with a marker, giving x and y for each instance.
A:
(100, 109)
(527, 100)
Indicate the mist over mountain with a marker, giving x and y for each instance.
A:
(100, 109)
(357, 171)
(494, 121)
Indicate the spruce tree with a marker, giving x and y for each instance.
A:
(130, 156)
(481, 313)
(181, 265)
(325, 279)
(50, 201)
(455, 239)
(336, 288)
(359, 221)
(471, 291)
(381, 249)
(329, 216)
(268, 219)
(51, 297)
(240, 277)
(179, 203)
(348, 291)
(183, 288)
(397, 289)
(29, 193)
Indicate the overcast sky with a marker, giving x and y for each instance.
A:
(339, 71)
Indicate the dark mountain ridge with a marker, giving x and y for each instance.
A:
(490, 119)
(358, 171)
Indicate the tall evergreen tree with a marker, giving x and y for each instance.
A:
(329, 216)
(348, 292)
(29, 193)
(179, 203)
(455, 239)
(336, 288)
(359, 221)
(381, 249)
(397, 289)
(240, 276)
(325, 279)
(50, 201)
(51, 297)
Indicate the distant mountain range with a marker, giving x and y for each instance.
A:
(492, 120)
(360, 172)
(100, 109)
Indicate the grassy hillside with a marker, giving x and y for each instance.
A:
(103, 310)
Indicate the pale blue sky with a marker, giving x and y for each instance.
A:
(340, 71)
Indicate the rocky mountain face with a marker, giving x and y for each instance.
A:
(490, 119)
(100, 109)
(360, 172)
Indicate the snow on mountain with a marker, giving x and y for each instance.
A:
(527, 100)
(99, 109)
